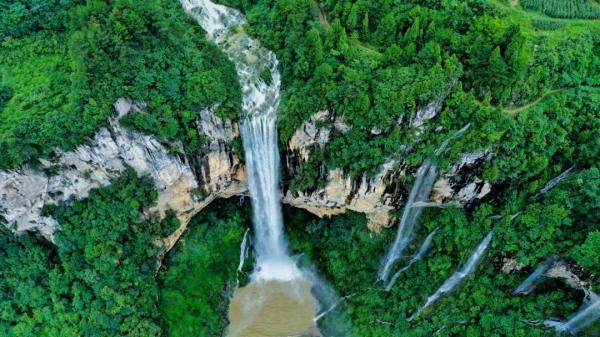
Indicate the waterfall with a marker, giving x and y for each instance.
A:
(453, 281)
(528, 285)
(262, 163)
(418, 256)
(419, 194)
(585, 316)
(554, 181)
(243, 254)
(258, 130)
(433, 204)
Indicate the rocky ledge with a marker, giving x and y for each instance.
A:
(186, 183)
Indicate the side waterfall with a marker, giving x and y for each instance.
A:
(418, 256)
(555, 181)
(586, 315)
(244, 248)
(419, 194)
(528, 285)
(458, 276)
(259, 132)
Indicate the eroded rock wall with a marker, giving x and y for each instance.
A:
(24, 191)
(186, 183)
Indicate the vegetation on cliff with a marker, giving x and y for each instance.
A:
(99, 278)
(526, 81)
(64, 63)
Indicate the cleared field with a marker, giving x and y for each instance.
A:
(567, 9)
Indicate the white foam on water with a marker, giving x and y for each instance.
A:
(258, 130)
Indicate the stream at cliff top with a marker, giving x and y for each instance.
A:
(278, 300)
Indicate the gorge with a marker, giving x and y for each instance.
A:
(298, 168)
(278, 299)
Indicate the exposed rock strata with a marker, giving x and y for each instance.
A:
(381, 194)
(560, 270)
(188, 183)
(23, 192)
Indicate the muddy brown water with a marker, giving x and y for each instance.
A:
(271, 308)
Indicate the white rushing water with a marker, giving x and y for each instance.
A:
(259, 132)
(244, 250)
(455, 279)
(555, 181)
(586, 315)
(528, 285)
(418, 256)
(419, 194)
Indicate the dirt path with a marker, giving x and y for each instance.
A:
(518, 109)
(515, 110)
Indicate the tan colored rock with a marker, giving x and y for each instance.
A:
(187, 184)
(310, 133)
(562, 271)
(510, 265)
(342, 193)
(23, 192)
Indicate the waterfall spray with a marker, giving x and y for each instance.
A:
(419, 194)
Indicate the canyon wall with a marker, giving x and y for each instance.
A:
(186, 183)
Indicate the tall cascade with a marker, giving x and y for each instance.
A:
(258, 130)
(419, 194)
(278, 289)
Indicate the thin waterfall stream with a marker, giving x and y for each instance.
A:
(419, 194)
(278, 300)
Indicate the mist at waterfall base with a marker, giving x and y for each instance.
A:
(281, 299)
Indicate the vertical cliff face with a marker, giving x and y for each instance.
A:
(187, 183)
(181, 186)
(379, 195)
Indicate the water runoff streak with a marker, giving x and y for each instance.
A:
(455, 279)
(277, 302)
(419, 194)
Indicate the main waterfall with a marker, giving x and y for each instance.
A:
(278, 300)
(258, 129)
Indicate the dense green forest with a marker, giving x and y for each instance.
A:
(201, 272)
(64, 63)
(524, 74)
(374, 63)
(99, 277)
(571, 9)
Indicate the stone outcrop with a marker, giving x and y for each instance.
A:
(24, 191)
(376, 196)
(186, 183)
(563, 271)
(559, 269)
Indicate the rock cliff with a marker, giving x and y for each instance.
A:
(187, 183)
(381, 194)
